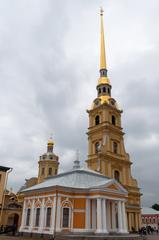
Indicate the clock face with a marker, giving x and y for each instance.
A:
(97, 102)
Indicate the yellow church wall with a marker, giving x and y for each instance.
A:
(79, 220)
(2, 184)
(79, 203)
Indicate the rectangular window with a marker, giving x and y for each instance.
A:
(28, 217)
(48, 217)
(50, 171)
(37, 220)
(65, 217)
(0, 177)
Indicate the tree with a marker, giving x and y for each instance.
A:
(155, 206)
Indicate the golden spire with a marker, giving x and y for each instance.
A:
(103, 64)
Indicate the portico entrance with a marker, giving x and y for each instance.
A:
(105, 216)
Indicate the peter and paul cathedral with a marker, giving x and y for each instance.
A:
(106, 150)
(103, 198)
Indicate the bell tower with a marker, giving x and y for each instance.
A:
(106, 150)
(48, 163)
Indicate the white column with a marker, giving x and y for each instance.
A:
(58, 215)
(94, 213)
(23, 216)
(104, 216)
(113, 212)
(125, 228)
(32, 216)
(42, 216)
(108, 215)
(87, 214)
(53, 216)
(99, 216)
(120, 220)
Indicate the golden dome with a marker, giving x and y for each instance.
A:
(50, 141)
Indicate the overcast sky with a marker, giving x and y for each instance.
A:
(49, 63)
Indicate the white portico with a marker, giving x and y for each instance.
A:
(78, 201)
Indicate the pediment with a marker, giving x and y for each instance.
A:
(113, 187)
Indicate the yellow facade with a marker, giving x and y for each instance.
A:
(3, 176)
(106, 150)
(4, 171)
(12, 210)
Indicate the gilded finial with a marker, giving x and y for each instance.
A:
(101, 11)
(50, 140)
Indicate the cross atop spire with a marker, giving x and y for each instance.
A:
(103, 65)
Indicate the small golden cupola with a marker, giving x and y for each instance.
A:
(48, 162)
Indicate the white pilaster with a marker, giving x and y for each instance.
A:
(23, 216)
(94, 213)
(108, 215)
(42, 216)
(32, 215)
(53, 216)
(104, 216)
(99, 216)
(87, 214)
(125, 228)
(58, 215)
(113, 212)
(120, 220)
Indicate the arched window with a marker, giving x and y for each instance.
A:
(42, 171)
(50, 171)
(115, 147)
(65, 223)
(117, 175)
(109, 91)
(48, 217)
(37, 220)
(28, 217)
(97, 147)
(99, 90)
(97, 120)
(104, 89)
(113, 120)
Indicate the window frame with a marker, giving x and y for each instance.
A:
(50, 173)
(28, 214)
(48, 219)
(37, 217)
(68, 219)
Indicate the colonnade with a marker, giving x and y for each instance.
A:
(107, 216)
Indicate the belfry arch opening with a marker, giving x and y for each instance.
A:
(97, 120)
(113, 120)
(115, 147)
(117, 175)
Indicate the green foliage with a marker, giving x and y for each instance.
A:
(155, 206)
